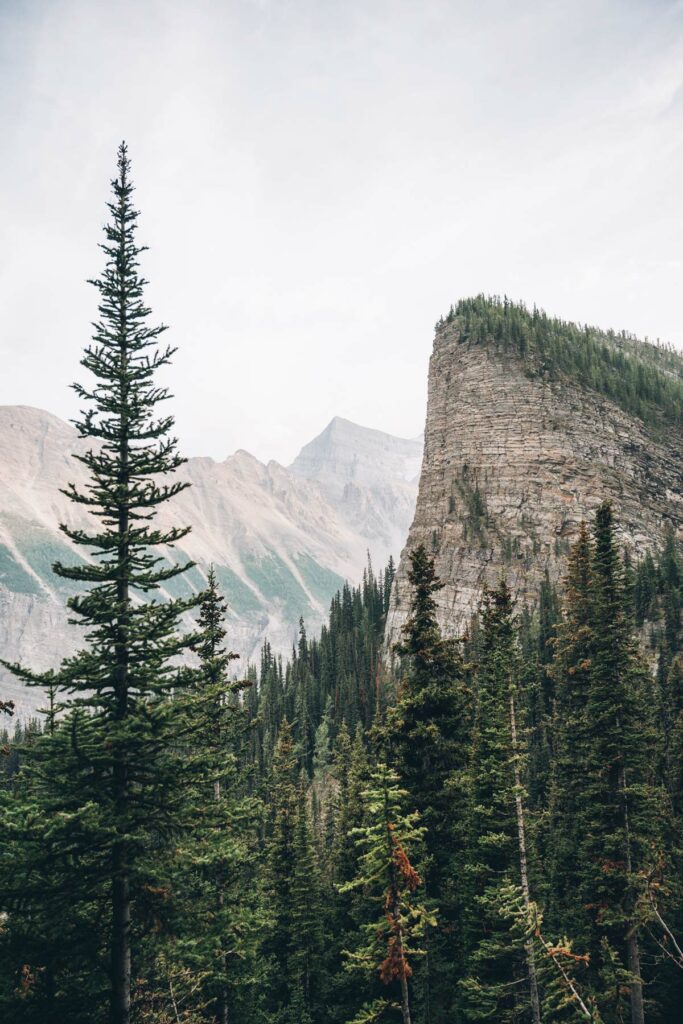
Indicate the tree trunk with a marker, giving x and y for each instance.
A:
(521, 838)
(632, 951)
(394, 910)
(405, 1005)
(223, 1006)
(120, 966)
(121, 911)
(637, 1009)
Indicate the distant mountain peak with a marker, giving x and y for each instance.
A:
(280, 539)
(339, 425)
(345, 452)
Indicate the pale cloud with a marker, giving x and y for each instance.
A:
(320, 180)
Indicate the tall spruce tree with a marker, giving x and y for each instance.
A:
(212, 872)
(501, 959)
(426, 740)
(124, 676)
(571, 673)
(215, 708)
(292, 939)
(606, 804)
(387, 842)
(347, 910)
(305, 910)
(623, 841)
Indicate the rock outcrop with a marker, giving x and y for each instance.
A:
(513, 461)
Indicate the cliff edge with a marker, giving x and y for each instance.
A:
(531, 423)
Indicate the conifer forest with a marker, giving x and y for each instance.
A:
(443, 830)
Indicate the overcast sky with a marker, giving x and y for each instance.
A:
(320, 179)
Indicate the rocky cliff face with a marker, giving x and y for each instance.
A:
(513, 461)
(282, 540)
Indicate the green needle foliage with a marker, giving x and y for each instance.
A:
(121, 730)
(496, 984)
(210, 870)
(645, 380)
(386, 875)
(606, 805)
(426, 740)
(294, 934)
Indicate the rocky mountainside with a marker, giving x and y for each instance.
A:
(531, 423)
(282, 540)
(370, 477)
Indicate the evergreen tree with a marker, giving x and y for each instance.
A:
(500, 958)
(306, 914)
(571, 672)
(279, 870)
(347, 910)
(618, 848)
(426, 742)
(293, 939)
(211, 874)
(606, 808)
(386, 875)
(645, 589)
(670, 574)
(674, 738)
(125, 773)
(388, 583)
(53, 948)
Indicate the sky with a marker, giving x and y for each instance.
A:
(319, 180)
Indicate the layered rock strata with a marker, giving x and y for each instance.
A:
(513, 462)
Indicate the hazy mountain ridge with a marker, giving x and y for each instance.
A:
(282, 539)
(370, 477)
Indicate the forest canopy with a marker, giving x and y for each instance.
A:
(642, 378)
(481, 827)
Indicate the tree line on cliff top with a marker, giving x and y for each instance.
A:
(642, 378)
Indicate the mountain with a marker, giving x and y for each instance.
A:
(531, 423)
(370, 477)
(282, 539)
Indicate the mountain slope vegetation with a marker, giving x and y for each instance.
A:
(643, 379)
